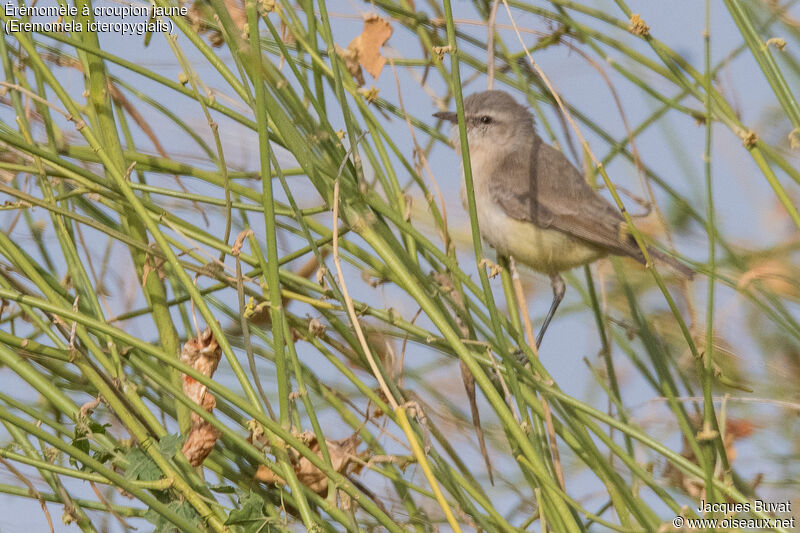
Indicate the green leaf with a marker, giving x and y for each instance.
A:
(222, 488)
(102, 456)
(250, 515)
(169, 445)
(182, 509)
(100, 429)
(84, 428)
(81, 439)
(141, 467)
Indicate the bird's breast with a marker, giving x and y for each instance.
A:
(542, 249)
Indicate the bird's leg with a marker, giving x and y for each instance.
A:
(559, 288)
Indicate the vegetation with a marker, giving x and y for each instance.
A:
(140, 248)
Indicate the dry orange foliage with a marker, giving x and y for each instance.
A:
(203, 354)
(365, 50)
(343, 459)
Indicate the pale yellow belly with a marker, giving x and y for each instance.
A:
(544, 250)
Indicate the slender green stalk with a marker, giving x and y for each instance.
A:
(761, 52)
(710, 418)
(107, 266)
(271, 275)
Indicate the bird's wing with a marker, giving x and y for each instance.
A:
(544, 188)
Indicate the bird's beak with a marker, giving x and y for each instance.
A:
(447, 115)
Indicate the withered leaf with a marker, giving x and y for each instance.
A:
(350, 57)
(236, 249)
(342, 453)
(367, 46)
(376, 32)
(287, 36)
(203, 354)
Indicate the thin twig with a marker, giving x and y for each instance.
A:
(351, 312)
(31, 489)
(490, 44)
(32, 95)
(504, 386)
(248, 347)
(523, 307)
(108, 507)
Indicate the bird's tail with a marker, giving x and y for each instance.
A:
(684, 270)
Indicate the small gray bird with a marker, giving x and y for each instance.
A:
(532, 203)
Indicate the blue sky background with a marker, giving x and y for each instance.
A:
(747, 210)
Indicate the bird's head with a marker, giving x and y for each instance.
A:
(493, 119)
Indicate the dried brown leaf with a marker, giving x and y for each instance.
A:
(316, 327)
(780, 277)
(469, 386)
(735, 429)
(265, 475)
(350, 58)
(236, 249)
(203, 354)
(87, 408)
(287, 36)
(343, 455)
(200, 442)
(366, 48)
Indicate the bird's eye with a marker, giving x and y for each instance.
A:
(486, 119)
